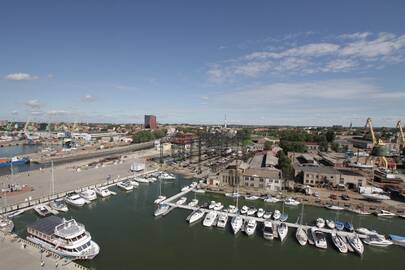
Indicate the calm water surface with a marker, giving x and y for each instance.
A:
(130, 237)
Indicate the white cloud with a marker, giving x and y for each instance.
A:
(355, 51)
(88, 98)
(33, 104)
(20, 77)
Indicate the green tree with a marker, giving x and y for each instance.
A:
(330, 136)
(268, 145)
(284, 164)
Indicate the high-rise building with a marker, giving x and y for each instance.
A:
(150, 121)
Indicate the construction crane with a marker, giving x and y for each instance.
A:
(379, 151)
(401, 132)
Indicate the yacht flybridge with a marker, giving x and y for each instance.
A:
(66, 238)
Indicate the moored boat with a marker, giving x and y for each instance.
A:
(377, 241)
(250, 226)
(59, 205)
(339, 243)
(268, 230)
(356, 243)
(319, 238)
(301, 236)
(210, 218)
(236, 224)
(196, 216)
(282, 231)
(75, 199)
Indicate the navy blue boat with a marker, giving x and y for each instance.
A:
(15, 161)
(339, 225)
(349, 226)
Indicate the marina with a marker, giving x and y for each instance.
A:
(134, 213)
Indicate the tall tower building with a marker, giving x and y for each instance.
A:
(150, 121)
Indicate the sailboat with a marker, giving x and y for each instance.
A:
(300, 234)
(57, 204)
(237, 220)
(161, 198)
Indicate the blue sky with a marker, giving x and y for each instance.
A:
(258, 62)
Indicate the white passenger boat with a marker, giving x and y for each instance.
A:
(193, 203)
(59, 205)
(301, 236)
(260, 212)
(377, 241)
(270, 199)
(196, 216)
(291, 202)
(384, 213)
(244, 210)
(236, 224)
(276, 214)
(218, 206)
(210, 218)
(320, 222)
(74, 199)
(251, 211)
(339, 243)
(103, 192)
(181, 201)
(89, 194)
(222, 220)
(66, 238)
(334, 207)
(212, 205)
(330, 224)
(356, 243)
(6, 224)
(162, 209)
(267, 215)
(319, 238)
(159, 199)
(125, 185)
(251, 198)
(282, 230)
(268, 230)
(232, 209)
(250, 226)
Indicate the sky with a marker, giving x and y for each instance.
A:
(201, 62)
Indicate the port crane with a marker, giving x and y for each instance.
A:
(401, 133)
(379, 151)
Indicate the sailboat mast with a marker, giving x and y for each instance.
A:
(52, 180)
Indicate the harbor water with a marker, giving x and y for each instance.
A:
(130, 237)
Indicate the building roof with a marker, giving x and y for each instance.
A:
(46, 225)
(317, 169)
(261, 172)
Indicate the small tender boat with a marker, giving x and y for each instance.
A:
(74, 199)
(250, 226)
(103, 192)
(244, 210)
(196, 216)
(320, 222)
(89, 194)
(125, 185)
(267, 215)
(210, 218)
(301, 236)
(222, 220)
(282, 230)
(162, 209)
(330, 224)
(260, 213)
(377, 241)
(251, 198)
(236, 224)
(291, 202)
(276, 214)
(193, 203)
(212, 205)
(339, 225)
(268, 230)
(334, 207)
(218, 206)
(356, 243)
(59, 205)
(159, 199)
(251, 211)
(270, 199)
(349, 226)
(283, 217)
(319, 238)
(181, 201)
(339, 243)
(384, 213)
(397, 239)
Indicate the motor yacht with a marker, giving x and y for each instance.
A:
(103, 192)
(232, 209)
(270, 199)
(193, 203)
(244, 210)
(384, 213)
(251, 211)
(375, 196)
(359, 211)
(251, 198)
(183, 189)
(44, 210)
(181, 201)
(276, 214)
(282, 230)
(199, 190)
(134, 183)
(301, 236)
(339, 225)
(334, 207)
(210, 218)
(268, 230)
(222, 220)
(218, 206)
(125, 185)
(320, 222)
(260, 213)
(166, 176)
(267, 215)
(283, 217)
(291, 202)
(377, 241)
(89, 194)
(250, 226)
(212, 205)
(196, 216)
(236, 224)
(356, 243)
(397, 239)
(162, 209)
(330, 224)
(66, 238)
(6, 224)
(59, 205)
(339, 243)
(232, 195)
(349, 226)
(365, 231)
(319, 238)
(142, 180)
(74, 199)
(159, 199)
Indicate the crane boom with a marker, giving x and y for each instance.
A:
(401, 132)
(370, 126)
